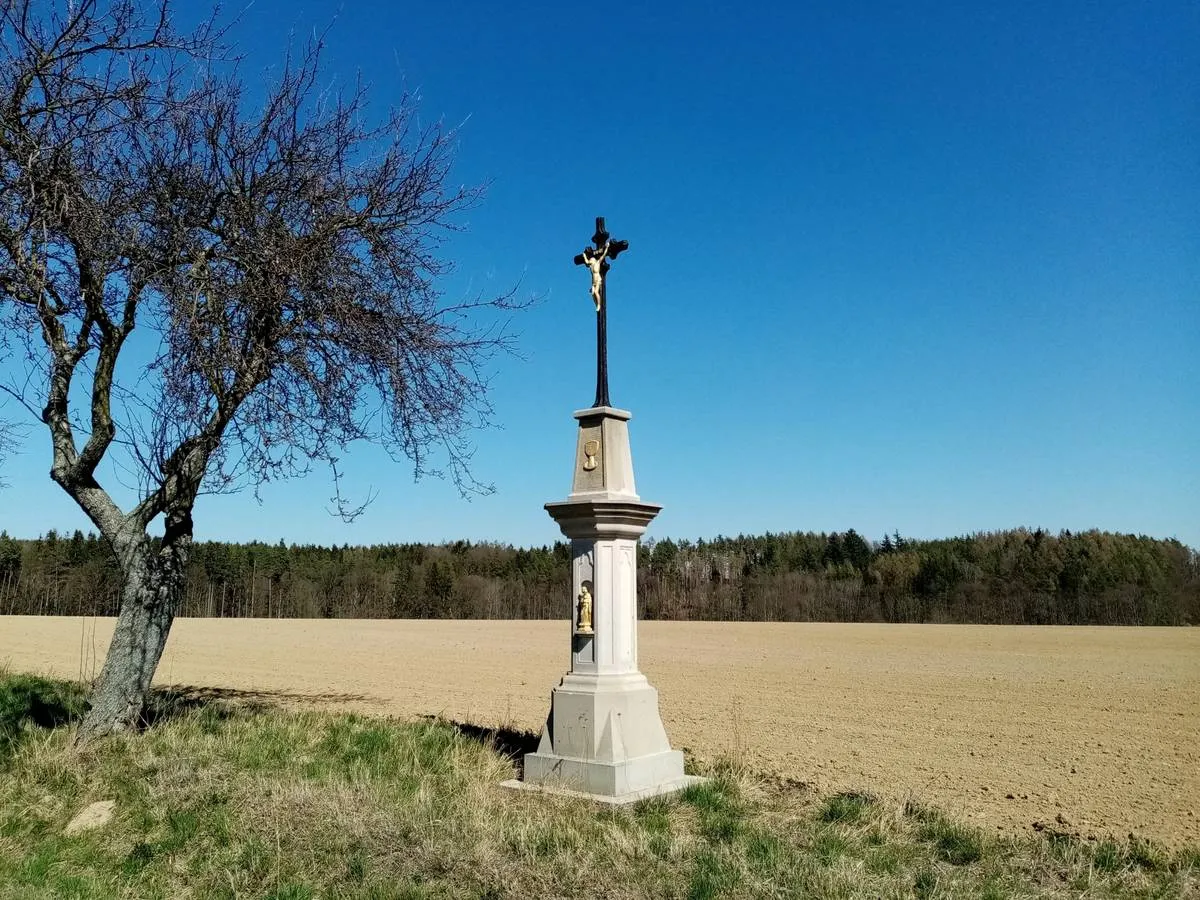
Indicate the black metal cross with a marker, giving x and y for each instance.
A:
(596, 259)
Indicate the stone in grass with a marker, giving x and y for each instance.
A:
(94, 815)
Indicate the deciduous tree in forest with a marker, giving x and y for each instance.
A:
(215, 292)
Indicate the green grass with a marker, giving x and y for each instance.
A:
(848, 808)
(221, 802)
(38, 701)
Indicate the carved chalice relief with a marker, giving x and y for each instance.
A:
(585, 611)
(591, 450)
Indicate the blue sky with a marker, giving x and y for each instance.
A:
(926, 267)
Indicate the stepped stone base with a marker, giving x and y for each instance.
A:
(604, 739)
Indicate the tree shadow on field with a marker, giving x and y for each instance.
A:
(510, 743)
(173, 700)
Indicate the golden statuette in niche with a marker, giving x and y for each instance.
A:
(585, 611)
(591, 450)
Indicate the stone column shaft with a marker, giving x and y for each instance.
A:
(608, 568)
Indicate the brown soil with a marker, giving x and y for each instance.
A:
(1093, 731)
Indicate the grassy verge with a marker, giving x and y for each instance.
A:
(222, 802)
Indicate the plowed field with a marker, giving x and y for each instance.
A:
(1088, 730)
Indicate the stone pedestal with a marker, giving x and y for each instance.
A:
(604, 736)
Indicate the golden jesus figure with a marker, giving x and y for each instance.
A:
(593, 258)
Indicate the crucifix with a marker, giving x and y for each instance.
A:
(596, 259)
(604, 736)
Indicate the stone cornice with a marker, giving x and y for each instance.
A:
(584, 518)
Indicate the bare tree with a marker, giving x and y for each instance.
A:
(213, 295)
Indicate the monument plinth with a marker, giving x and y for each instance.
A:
(604, 736)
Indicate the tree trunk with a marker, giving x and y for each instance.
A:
(150, 596)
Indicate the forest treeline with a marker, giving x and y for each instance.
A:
(1013, 577)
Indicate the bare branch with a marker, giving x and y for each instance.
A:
(8, 442)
